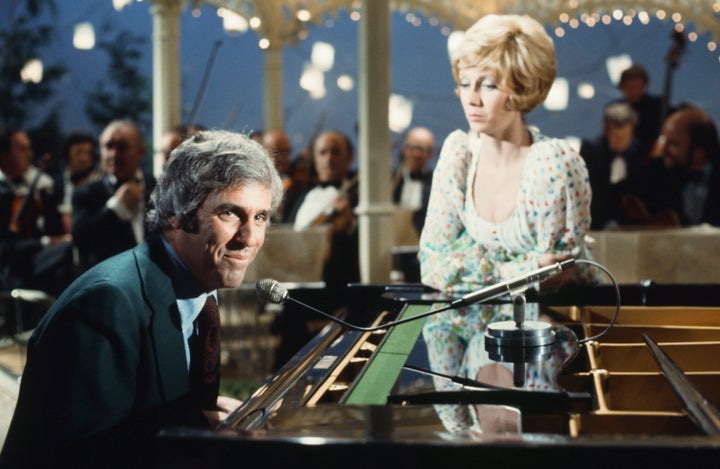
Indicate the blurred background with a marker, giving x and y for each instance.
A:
(95, 59)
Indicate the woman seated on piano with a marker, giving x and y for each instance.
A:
(505, 200)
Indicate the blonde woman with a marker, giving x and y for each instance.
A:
(505, 199)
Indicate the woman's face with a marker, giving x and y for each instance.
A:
(484, 102)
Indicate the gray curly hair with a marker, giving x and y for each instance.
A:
(208, 161)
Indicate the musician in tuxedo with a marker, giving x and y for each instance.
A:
(413, 177)
(107, 213)
(114, 360)
(30, 222)
(684, 178)
(633, 84)
(614, 162)
(331, 199)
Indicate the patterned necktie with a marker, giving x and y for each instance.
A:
(205, 356)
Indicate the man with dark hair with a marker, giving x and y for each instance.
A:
(634, 82)
(30, 221)
(132, 345)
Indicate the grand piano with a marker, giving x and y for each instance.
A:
(644, 393)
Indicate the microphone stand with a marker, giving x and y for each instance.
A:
(519, 341)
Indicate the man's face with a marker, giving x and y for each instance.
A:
(332, 157)
(20, 157)
(278, 147)
(633, 89)
(80, 157)
(231, 230)
(676, 141)
(417, 150)
(619, 137)
(121, 151)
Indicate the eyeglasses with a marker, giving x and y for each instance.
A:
(418, 148)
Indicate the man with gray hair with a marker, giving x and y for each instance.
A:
(614, 159)
(132, 345)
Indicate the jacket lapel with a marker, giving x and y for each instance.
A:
(158, 292)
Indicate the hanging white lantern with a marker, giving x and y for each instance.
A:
(318, 93)
(586, 90)
(84, 36)
(323, 56)
(399, 113)
(232, 22)
(557, 99)
(312, 80)
(32, 71)
(616, 65)
(345, 82)
(120, 4)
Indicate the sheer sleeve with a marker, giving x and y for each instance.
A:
(558, 199)
(447, 251)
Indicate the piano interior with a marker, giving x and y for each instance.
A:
(374, 392)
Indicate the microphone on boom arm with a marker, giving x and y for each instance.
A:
(273, 292)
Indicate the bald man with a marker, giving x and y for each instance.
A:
(686, 176)
(413, 177)
(108, 213)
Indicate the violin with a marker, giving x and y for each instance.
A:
(26, 209)
(334, 217)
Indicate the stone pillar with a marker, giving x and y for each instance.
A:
(166, 71)
(375, 208)
(273, 118)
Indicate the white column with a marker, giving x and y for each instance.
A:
(166, 71)
(273, 118)
(375, 208)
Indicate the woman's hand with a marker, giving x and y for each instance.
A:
(555, 282)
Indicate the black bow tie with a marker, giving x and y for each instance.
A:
(695, 176)
(324, 184)
(417, 176)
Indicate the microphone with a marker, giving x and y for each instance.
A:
(273, 292)
(513, 285)
(270, 290)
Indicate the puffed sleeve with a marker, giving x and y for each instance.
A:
(557, 199)
(445, 245)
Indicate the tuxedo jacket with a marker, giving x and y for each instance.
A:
(18, 250)
(606, 197)
(419, 215)
(97, 231)
(106, 369)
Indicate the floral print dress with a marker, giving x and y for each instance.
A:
(461, 252)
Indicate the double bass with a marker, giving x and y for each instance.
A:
(672, 60)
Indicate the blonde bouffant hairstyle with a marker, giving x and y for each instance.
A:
(518, 53)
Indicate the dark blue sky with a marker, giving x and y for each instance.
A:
(420, 71)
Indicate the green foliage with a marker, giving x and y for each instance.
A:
(125, 94)
(22, 38)
(238, 389)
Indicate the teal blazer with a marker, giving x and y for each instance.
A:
(105, 370)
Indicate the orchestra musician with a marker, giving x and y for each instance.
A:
(108, 212)
(330, 200)
(30, 221)
(413, 177)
